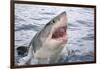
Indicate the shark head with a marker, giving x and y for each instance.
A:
(54, 33)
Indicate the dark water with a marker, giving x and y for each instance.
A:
(29, 19)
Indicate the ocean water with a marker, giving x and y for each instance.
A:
(29, 19)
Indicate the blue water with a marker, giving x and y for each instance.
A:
(29, 19)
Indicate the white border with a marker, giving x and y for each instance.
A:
(5, 34)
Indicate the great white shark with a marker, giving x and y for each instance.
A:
(47, 45)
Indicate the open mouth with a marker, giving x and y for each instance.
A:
(59, 32)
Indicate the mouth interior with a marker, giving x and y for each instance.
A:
(59, 32)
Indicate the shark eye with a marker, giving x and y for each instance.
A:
(53, 21)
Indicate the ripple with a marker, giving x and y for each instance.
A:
(47, 13)
(89, 37)
(85, 23)
(28, 27)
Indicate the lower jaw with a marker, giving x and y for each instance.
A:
(63, 39)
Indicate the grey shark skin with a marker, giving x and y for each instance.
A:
(46, 45)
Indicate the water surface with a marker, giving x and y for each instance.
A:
(29, 19)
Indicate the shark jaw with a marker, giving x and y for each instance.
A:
(58, 31)
(59, 35)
